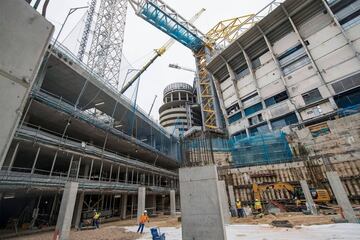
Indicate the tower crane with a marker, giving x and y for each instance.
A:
(158, 52)
(166, 19)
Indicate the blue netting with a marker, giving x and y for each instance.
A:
(260, 149)
(248, 151)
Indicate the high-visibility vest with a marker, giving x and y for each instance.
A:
(96, 216)
(238, 205)
(143, 218)
(257, 205)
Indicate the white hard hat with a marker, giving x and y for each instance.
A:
(145, 211)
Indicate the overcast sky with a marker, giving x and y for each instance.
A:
(141, 38)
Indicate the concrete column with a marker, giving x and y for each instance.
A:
(141, 202)
(234, 83)
(126, 175)
(69, 170)
(172, 203)
(232, 196)
(203, 218)
(124, 198)
(91, 168)
(86, 170)
(118, 174)
(224, 201)
(78, 209)
(63, 223)
(153, 203)
(53, 163)
(35, 160)
(13, 157)
(308, 197)
(313, 63)
(341, 197)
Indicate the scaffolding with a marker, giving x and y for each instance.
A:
(261, 149)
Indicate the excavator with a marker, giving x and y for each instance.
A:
(320, 196)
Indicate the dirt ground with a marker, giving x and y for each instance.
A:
(115, 230)
(107, 231)
(293, 217)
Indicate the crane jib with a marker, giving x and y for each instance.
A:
(163, 21)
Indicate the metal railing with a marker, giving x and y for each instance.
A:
(177, 86)
(23, 177)
(59, 48)
(63, 105)
(37, 133)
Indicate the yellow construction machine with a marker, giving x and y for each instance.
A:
(320, 196)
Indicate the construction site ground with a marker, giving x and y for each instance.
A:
(240, 228)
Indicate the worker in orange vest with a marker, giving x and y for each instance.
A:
(143, 218)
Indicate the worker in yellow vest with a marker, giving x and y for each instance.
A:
(298, 203)
(96, 218)
(239, 209)
(258, 206)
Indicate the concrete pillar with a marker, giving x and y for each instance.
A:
(224, 201)
(309, 200)
(153, 203)
(232, 197)
(63, 223)
(141, 202)
(172, 203)
(86, 170)
(203, 217)
(78, 209)
(341, 197)
(124, 198)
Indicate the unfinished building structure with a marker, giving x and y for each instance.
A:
(77, 127)
(297, 70)
(179, 112)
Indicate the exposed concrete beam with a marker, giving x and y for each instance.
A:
(313, 63)
(357, 54)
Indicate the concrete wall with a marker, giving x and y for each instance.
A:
(202, 216)
(340, 146)
(22, 49)
(332, 55)
(341, 141)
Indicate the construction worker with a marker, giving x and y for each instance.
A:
(239, 209)
(298, 203)
(258, 206)
(96, 218)
(143, 218)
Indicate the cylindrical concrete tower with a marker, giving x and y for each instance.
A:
(177, 114)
